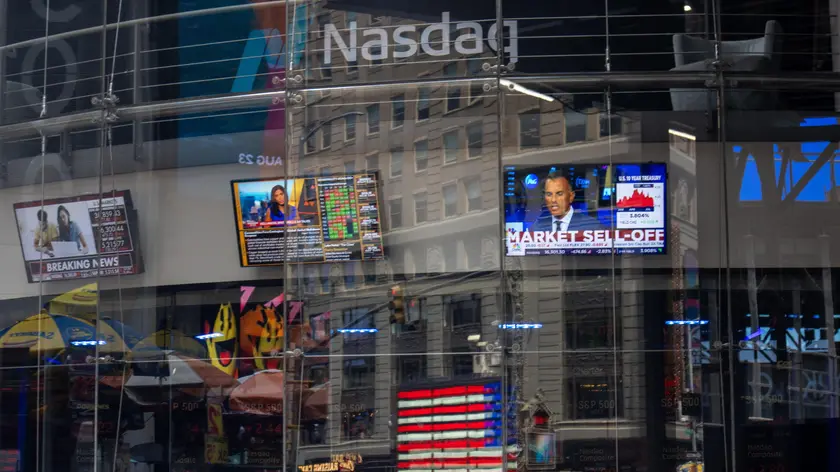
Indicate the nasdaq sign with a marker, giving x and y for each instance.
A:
(467, 38)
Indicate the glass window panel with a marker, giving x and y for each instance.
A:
(373, 119)
(420, 211)
(421, 155)
(398, 111)
(450, 200)
(397, 157)
(450, 147)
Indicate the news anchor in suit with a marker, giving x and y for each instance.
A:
(558, 195)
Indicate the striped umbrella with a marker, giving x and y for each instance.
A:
(47, 332)
(172, 340)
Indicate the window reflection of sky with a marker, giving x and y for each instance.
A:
(819, 186)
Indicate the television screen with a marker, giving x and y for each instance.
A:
(585, 209)
(79, 237)
(308, 219)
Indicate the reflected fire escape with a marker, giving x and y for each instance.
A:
(779, 191)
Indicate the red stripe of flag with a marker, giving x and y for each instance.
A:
(420, 428)
(450, 391)
(415, 412)
(414, 428)
(444, 410)
(442, 444)
(414, 446)
(415, 394)
(479, 407)
(450, 462)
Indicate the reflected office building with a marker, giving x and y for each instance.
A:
(352, 235)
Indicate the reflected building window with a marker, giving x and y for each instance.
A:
(575, 125)
(589, 331)
(395, 212)
(450, 255)
(610, 125)
(326, 71)
(450, 200)
(326, 137)
(376, 53)
(397, 162)
(421, 155)
(423, 104)
(473, 255)
(314, 433)
(358, 424)
(529, 129)
(310, 280)
(357, 318)
(351, 274)
(476, 88)
(369, 270)
(373, 119)
(350, 127)
(453, 93)
(450, 147)
(321, 331)
(420, 210)
(473, 190)
(463, 310)
(350, 167)
(311, 143)
(359, 373)
(411, 369)
(372, 162)
(397, 111)
(475, 139)
(462, 363)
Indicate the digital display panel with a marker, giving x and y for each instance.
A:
(308, 219)
(585, 209)
(455, 426)
(79, 237)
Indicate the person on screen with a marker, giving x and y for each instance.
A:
(278, 209)
(558, 195)
(69, 231)
(45, 233)
(255, 211)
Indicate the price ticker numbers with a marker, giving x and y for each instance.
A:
(339, 208)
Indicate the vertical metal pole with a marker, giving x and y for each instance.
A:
(752, 293)
(136, 95)
(506, 408)
(828, 304)
(3, 53)
(794, 376)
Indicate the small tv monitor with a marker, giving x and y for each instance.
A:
(308, 219)
(79, 237)
(585, 209)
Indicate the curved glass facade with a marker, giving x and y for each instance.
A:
(356, 235)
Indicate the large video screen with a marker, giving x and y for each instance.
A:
(308, 219)
(79, 237)
(585, 209)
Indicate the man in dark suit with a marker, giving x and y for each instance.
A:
(558, 195)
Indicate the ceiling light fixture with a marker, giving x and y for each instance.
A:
(518, 88)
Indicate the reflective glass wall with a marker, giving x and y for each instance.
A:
(350, 235)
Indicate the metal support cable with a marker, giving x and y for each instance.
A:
(651, 80)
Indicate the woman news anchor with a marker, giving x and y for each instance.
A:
(278, 210)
